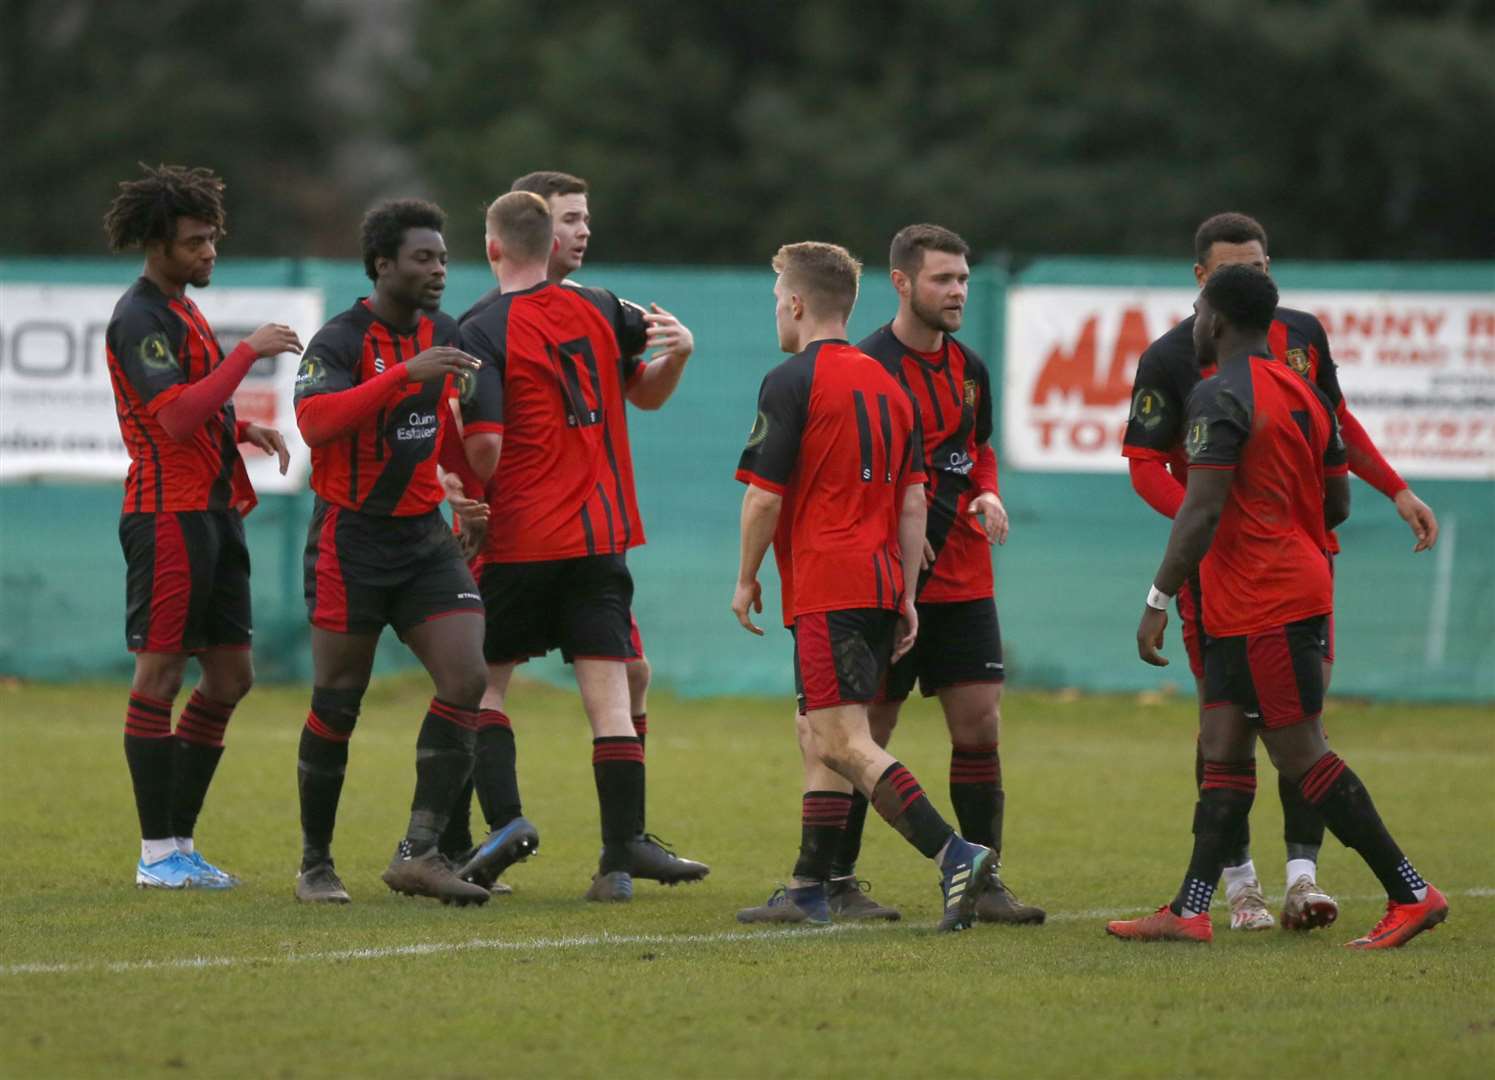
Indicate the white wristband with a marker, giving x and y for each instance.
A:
(1157, 600)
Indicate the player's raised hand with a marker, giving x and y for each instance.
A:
(272, 339)
(748, 596)
(438, 362)
(993, 516)
(667, 334)
(269, 440)
(908, 629)
(1150, 636)
(1419, 517)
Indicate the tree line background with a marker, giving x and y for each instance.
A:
(711, 133)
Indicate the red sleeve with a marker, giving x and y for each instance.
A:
(191, 407)
(1158, 487)
(326, 417)
(984, 474)
(1366, 461)
(454, 460)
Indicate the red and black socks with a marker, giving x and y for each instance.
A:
(456, 838)
(1332, 787)
(1302, 824)
(148, 752)
(495, 769)
(1238, 851)
(322, 761)
(902, 803)
(1225, 796)
(844, 865)
(198, 748)
(976, 793)
(823, 817)
(618, 768)
(443, 764)
(641, 729)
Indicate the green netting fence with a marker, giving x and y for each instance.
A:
(1070, 580)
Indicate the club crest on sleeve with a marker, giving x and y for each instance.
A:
(1197, 439)
(759, 432)
(467, 386)
(155, 353)
(1148, 408)
(310, 373)
(1297, 359)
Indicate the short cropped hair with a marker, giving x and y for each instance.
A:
(546, 183)
(1244, 295)
(522, 224)
(147, 209)
(385, 226)
(1229, 228)
(911, 242)
(825, 275)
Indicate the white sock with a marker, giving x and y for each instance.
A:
(1297, 868)
(1237, 877)
(1421, 894)
(153, 851)
(184, 845)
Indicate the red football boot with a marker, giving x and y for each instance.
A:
(1403, 922)
(1163, 925)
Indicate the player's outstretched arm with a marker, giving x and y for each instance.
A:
(199, 402)
(673, 343)
(760, 516)
(1158, 487)
(1367, 463)
(1193, 529)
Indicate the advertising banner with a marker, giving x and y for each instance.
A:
(1417, 369)
(57, 416)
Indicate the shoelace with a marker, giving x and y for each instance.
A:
(778, 896)
(652, 838)
(1386, 920)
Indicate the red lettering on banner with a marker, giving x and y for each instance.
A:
(1087, 435)
(1046, 433)
(255, 405)
(1482, 324)
(1068, 373)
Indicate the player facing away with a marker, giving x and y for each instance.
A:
(564, 514)
(566, 196)
(1166, 373)
(958, 654)
(1268, 479)
(836, 484)
(182, 528)
(374, 402)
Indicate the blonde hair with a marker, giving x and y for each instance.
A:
(520, 221)
(825, 276)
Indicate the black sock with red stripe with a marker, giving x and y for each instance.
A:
(902, 803)
(495, 770)
(1333, 788)
(850, 848)
(199, 746)
(641, 729)
(1302, 824)
(976, 793)
(618, 767)
(1225, 797)
(822, 825)
(148, 753)
(443, 764)
(1239, 852)
(323, 760)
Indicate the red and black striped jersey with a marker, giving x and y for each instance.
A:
(953, 392)
(1268, 563)
(156, 346)
(838, 437)
(387, 464)
(566, 356)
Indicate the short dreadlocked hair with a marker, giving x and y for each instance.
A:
(384, 228)
(147, 209)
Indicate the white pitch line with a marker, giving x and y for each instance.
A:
(442, 948)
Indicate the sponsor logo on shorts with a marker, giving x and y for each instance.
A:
(469, 596)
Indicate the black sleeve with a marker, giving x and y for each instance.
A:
(146, 341)
(475, 340)
(1219, 423)
(773, 446)
(481, 394)
(1157, 415)
(1328, 373)
(329, 365)
(977, 370)
(1336, 454)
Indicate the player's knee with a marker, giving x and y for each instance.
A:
(158, 677)
(463, 687)
(639, 674)
(229, 684)
(336, 708)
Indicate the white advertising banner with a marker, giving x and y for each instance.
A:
(1417, 370)
(57, 413)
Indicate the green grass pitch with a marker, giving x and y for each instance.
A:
(99, 979)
